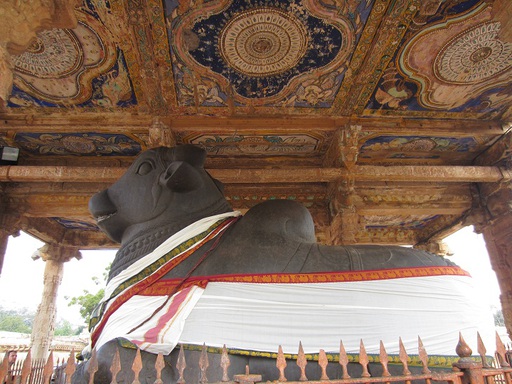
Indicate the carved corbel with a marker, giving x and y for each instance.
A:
(160, 135)
(21, 21)
(345, 147)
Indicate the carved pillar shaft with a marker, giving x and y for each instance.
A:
(44, 321)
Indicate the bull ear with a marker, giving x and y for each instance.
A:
(193, 155)
(181, 177)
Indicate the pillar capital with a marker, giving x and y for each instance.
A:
(57, 253)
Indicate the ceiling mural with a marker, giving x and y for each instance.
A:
(72, 67)
(279, 53)
(417, 147)
(375, 114)
(455, 64)
(77, 144)
(271, 144)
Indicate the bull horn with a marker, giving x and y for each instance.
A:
(180, 176)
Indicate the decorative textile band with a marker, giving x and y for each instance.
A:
(165, 286)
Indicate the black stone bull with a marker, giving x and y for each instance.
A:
(167, 189)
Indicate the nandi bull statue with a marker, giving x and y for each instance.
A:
(190, 271)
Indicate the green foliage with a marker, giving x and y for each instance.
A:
(88, 301)
(16, 320)
(65, 328)
(21, 321)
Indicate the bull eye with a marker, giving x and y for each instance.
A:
(145, 168)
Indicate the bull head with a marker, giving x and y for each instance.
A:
(164, 186)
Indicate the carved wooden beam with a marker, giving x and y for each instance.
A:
(75, 207)
(413, 173)
(133, 123)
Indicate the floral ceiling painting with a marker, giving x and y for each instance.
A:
(80, 67)
(459, 62)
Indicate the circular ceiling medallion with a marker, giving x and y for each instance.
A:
(263, 42)
(474, 56)
(54, 54)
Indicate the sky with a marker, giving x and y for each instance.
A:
(21, 281)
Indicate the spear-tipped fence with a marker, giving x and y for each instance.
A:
(467, 369)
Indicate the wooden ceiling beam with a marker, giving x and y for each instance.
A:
(141, 123)
(364, 173)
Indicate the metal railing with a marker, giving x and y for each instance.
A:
(467, 369)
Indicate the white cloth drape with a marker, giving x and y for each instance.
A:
(263, 316)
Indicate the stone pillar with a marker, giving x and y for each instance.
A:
(44, 321)
(498, 240)
(494, 218)
(497, 232)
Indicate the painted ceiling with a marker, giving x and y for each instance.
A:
(281, 84)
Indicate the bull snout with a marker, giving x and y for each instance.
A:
(101, 206)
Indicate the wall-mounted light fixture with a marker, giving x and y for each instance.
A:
(9, 155)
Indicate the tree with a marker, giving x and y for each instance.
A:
(65, 328)
(88, 301)
(16, 320)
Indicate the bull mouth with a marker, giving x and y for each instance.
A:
(102, 218)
